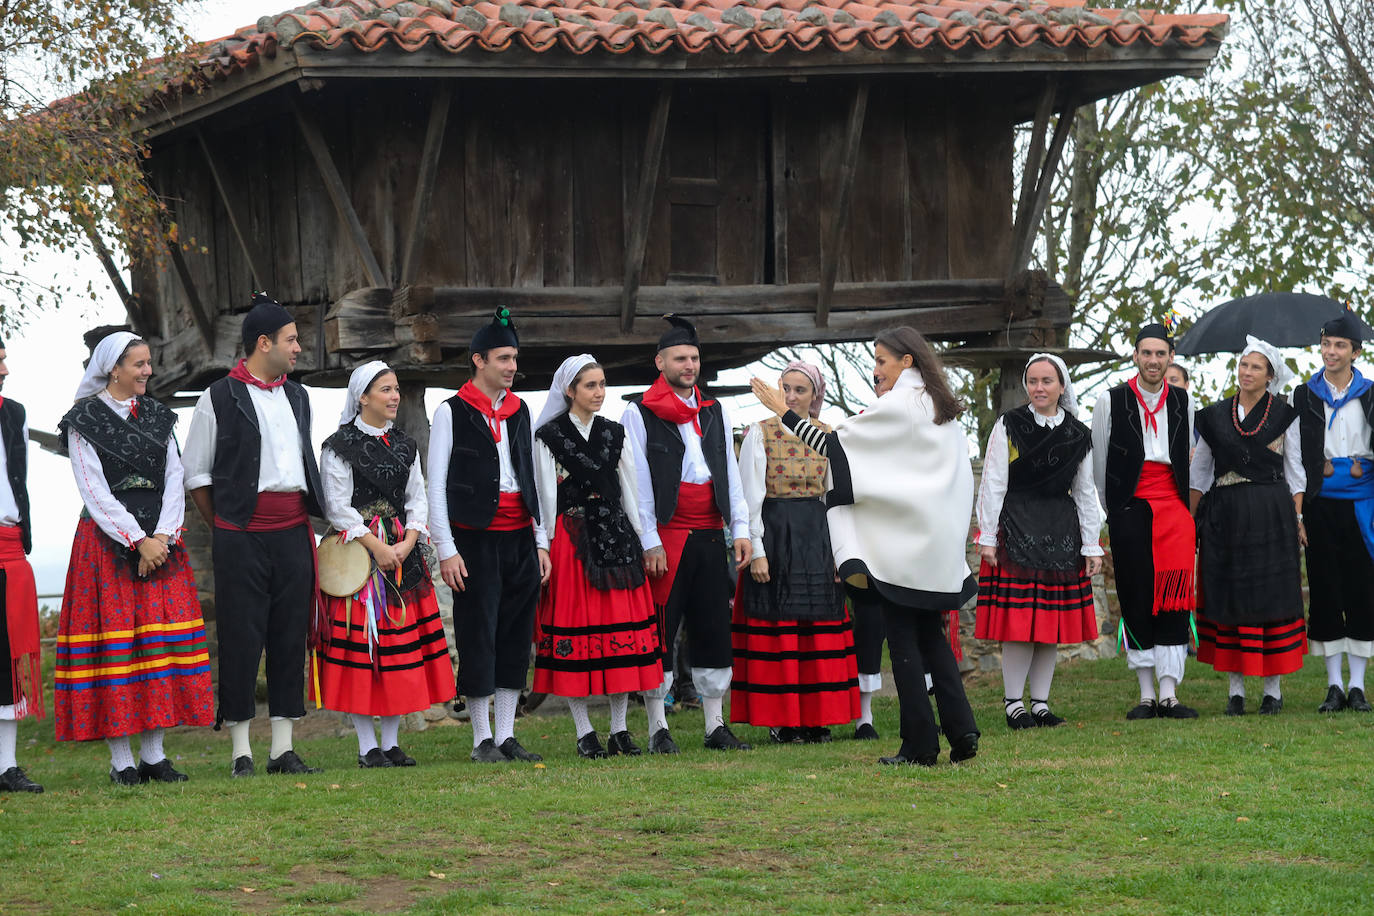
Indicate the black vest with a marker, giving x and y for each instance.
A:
(17, 463)
(1250, 455)
(1126, 444)
(133, 451)
(1038, 528)
(238, 450)
(664, 451)
(474, 468)
(1312, 432)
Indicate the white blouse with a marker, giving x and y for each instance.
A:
(1202, 472)
(1156, 441)
(281, 467)
(1348, 436)
(109, 513)
(336, 477)
(547, 473)
(993, 491)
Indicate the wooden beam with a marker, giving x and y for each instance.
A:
(1024, 236)
(250, 254)
(424, 180)
(132, 307)
(839, 214)
(778, 179)
(1035, 155)
(204, 324)
(338, 192)
(637, 236)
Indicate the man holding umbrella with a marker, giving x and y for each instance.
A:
(1336, 413)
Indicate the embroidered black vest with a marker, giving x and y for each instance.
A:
(1249, 456)
(17, 464)
(473, 483)
(133, 451)
(664, 450)
(589, 501)
(1126, 444)
(1038, 528)
(380, 475)
(1312, 432)
(238, 450)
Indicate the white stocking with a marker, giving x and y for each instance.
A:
(1146, 676)
(238, 740)
(1237, 684)
(121, 754)
(479, 712)
(391, 732)
(506, 701)
(1016, 663)
(281, 737)
(581, 721)
(9, 738)
(150, 747)
(1042, 673)
(1333, 670)
(1357, 668)
(1271, 687)
(865, 708)
(713, 708)
(367, 736)
(620, 706)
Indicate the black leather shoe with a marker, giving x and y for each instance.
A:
(125, 777)
(1046, 719)
(1270, 706)
(243, 766)
(963, 748)
(1173, 709)
(512, 749)
(622, 743)
(865, 732)
(784, 734)
(1020, 720)
(906, 757)
(1335, 700)
(1236, 705)
(14, 780)
(291, 763)
(486, 752)
(722, 739)
(398, 757)
(662, 743)
(1148, 709)
(373, 759)
(162, 771)
(1354, 700)
(589, 746)
(816, 735)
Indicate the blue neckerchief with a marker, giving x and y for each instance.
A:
(1358, 386)
(1359, 490)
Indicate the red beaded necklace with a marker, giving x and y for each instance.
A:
(1235, 415)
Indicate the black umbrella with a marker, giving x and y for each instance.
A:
(1282, 319)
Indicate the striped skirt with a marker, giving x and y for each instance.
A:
(797, 673)
(1259, 650)
(131, 653)
(1027, 608)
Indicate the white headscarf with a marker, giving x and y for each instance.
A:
(358, 383)
(1067, 400)
(1270, 352)
(104, 358)
(556, 404)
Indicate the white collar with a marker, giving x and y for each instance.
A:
(1339, 392)
(115, 402)
(1152, 397)
(690, 401)
(371, 430)
(584, 428)
(910, 378)
(1042, 420)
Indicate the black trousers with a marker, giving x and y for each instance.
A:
(1339, 571)
(263, 585)
(1132, 531)
(869, 633)
(700, 600)
(917, 642)
(493, 617)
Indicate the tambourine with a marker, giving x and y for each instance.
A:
(344, 567)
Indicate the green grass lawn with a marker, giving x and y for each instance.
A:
(1216, 815)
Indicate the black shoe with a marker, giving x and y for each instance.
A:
(243, 766)
(963, 748)
(1173, 709)
(865, 732)
(162, 771)
(398, 757)
(784, 734)
(816, 735)
(1148, 709)
(1020, 720)
(662, 743)
(1270, 706)
(373, 759)
(14, 780)
(290, 763)
(486, 752)
(1335, 700)
(512, 749)
(622, 743)
(905, 757)
(722, 739)
(1046, 719)
(589, 746)
(1354, 700)
(1236, 705)
(125, 777)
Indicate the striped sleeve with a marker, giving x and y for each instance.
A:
(813, 436)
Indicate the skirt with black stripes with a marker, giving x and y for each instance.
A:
(1021, 605)
(1259, 650)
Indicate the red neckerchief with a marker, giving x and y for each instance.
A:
(663, 401)
(1150, 422)
(241, 373)
(495, 416)
(133, 408)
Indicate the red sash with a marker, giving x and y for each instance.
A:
(21, 624)
(1173, 539)
(696, 511)
(511, 515)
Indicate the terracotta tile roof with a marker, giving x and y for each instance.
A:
(695, 26)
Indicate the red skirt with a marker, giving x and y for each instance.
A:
(407, 669)
(131, 653)
(590, 642)
(1261, 650)
(1022, 609)
(797, 673)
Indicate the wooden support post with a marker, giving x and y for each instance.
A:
(413, 419)
(1031, 207)
(424, 180)
(240, 227)
(637, 237)
(131, 305)
(338, 193)
(839, 214)
(204, 324)
(1010, 392)
(1035, 155)
(778, 176)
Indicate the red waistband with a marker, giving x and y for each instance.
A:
(1156, 481)
(274, 512)
(696, 507)
(511, 515)
(11, 544)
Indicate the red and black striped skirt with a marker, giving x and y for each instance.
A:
(797, 673)
(1017, 606)
(1259, 650)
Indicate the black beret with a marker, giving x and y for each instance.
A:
(265, 318)
(682, 332)
(499, 333)
(1156, 331)
(1346, 325)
